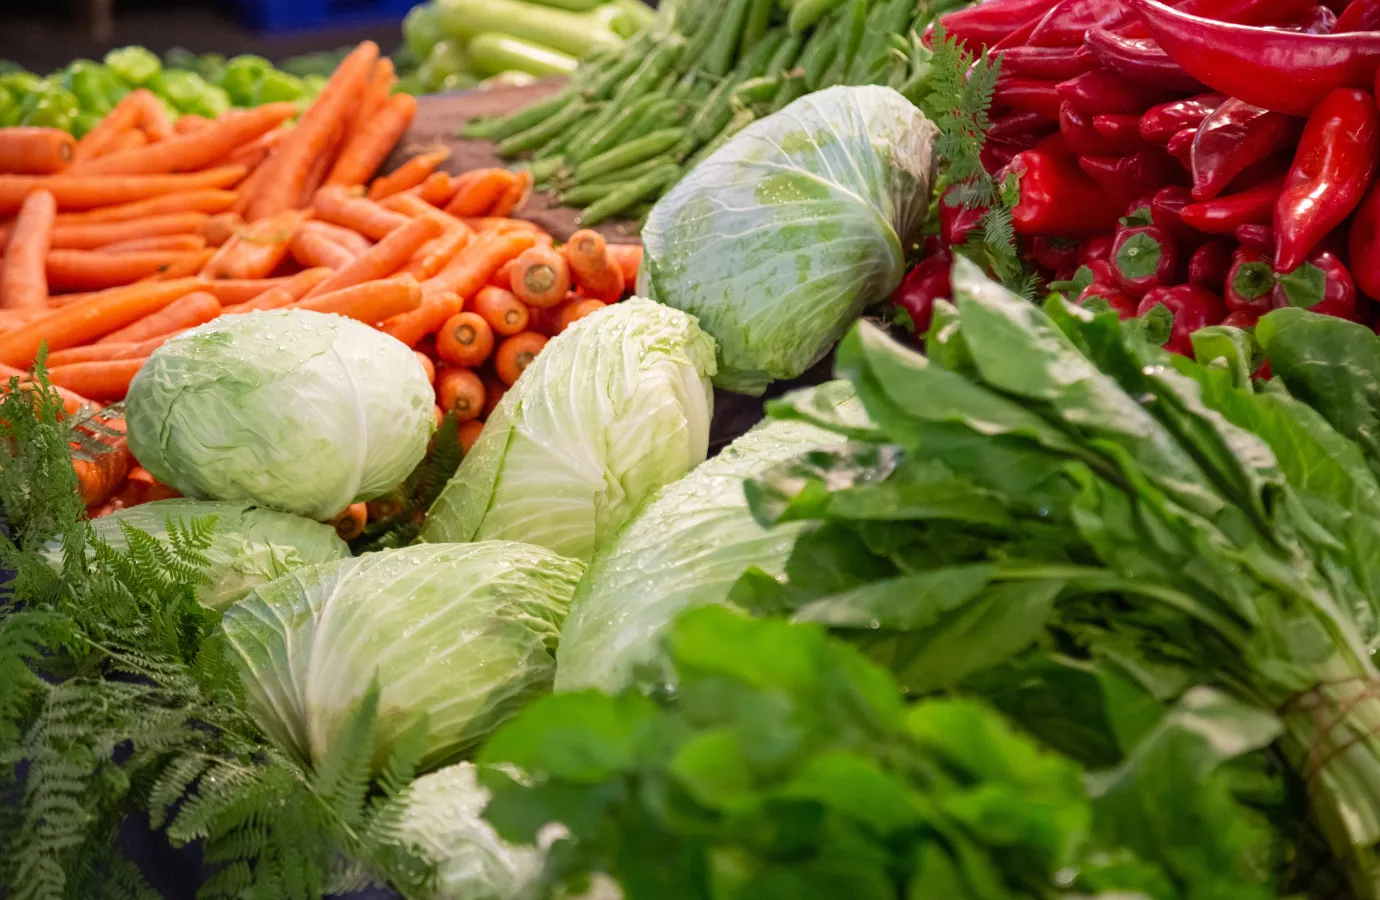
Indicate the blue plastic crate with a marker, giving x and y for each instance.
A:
(301, 15)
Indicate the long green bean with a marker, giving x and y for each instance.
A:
(629, 194)
(541, 133)
(629, 154)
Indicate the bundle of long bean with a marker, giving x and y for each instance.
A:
(632, 121)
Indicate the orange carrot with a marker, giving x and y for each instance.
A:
(371, 302)
(465, 339)
(105, 380)
(368, 147)
(503, 275)
(93, 317)
(387, 256)
(11, 319)
(408, 175)
(350, 524)
(258, 248)
(196, 150)
(488, 223)
(103, 473)
(412, 327)
(570, 313)
(629, 259)
(504, 312)
(251, 153)
(409, 204)
(292, 161)
(372, 97)
(71, 401)
(90, 235)
(312, 248)
(231, 291)
(187, 266)
(289, 291)
(540, 277)
(207, 201)
(124, 117)
(460, 391)
(321, 167)
(469, 271)
(348, 238)
(194, 309)
(592, 267)
(469, 433)
(493, 394)
(436, 254)
(35, 151)
(190, 123)
(125, 140)
(427, 366)
(153, 117)
(338, 206)
(515, 196)
(92, 270)
(477, 191)
(90, 353)
(220, 228)
(182, 242)
(253, 184)
(24, 280)
(515, 354)
(437, 189)
(85, 191)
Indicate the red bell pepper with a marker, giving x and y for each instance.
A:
(1233, 137)
(956, 220)
(1208, 265)
(1104, 294)
(1068, 21)
(1332, 169)
(1359, 15)
(1139, 58)
(1081, 135)
(1322, 285)
(996, 157)
(1250, 281)
(989, 22)
(1121, 131)
(1223, 214)
(1192, 308)
(1166, 211)
(924, 284)
(1363, 244)
(1162, 122)
(1128, 177)
(1143, 257)
(1257, 237)
(1180, 147)
(1243, 319)
(1028, 94)
(1056, 254)
(1097, 248)
(1057, 198)
(1056, 63)
(1103, 91)
(1282, 71)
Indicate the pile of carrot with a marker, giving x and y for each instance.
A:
(141, 231)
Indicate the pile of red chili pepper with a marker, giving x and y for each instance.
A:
(1215, 157)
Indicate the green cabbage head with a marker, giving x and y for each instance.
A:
(249, 546)
(780, 239)
(686, 548)
(615, 407)
(464, 634)
(289, 409)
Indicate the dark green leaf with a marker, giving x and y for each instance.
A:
(1138, 256)
(1304, 287)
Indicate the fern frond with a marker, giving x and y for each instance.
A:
(341, 778)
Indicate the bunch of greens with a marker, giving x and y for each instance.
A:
(1048, 478)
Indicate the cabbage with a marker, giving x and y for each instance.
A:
(781, 238)
(685, 548)
(249, 546)
(611, 410)
(463, 633)
(289, 409)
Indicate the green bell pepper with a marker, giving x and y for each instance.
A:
(137, 65)
(97, 88)
(446, 58)
(241, 77)
(275, 86)
(422, 29)
(52, 106)
(83, 123)
(188, 92)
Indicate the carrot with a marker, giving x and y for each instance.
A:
(489, 223)
(191, 123)
(412, 327)
(503, 276)
(35, 151)
(629, 259)
(469, 271)
(258, 248)
(187, 266)
(90, 235)
(209, 201)
(290, 290)
(13, 318)
(292, 161)
(437, 190)
(196, 150)
(93, 270)
(515, 196)
(409, 204)
(427, 365)
(570, 313)
(153, 117)
(540, 277)
(515, 354)
(504, 312)
(493, 393)
(372, 97)
(350, 523)
(477, 191)
(437, 253)
(592, 266)
(253, 184)
(124, 117)
(408, 175)
(460, 391)
(469, 433)
(24, 280)
(189, 311)
(367, 148)
(371, 302)
(338, 206)
(104, 380)
(311, 248)
(465, 340)
(387, 256)
(218, 229)
(103, 473)
(251, 153)
(71, 401)
(126, 140)
(182, 242)
(321, 167)
(231, 291)
(91, 353)
(85, 191)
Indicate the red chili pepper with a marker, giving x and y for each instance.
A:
(1233, 137)
(1363, 243)
(1166, 210)
(1223, 214)
(1057, 63)
(1180, 147)
(1016, 38)
(1057, 198)
(1115, 299)
(989, 22)
(1066, 23)
(1138, 58)
(1103, 91)
(1018, 129)
(1096, 249)
(1143, 257)
(1257, 237)
(1332, 169)
(1247, 12)
(924, 284)
(955, 221)
(1028, 94)
(1056, 254)
(1208, 265)
(1120, 130)
(1320, 20)
(1160, 123)
(1080, 134)
(1127, 177)
(1322, 285)
(1359, 15)
(1192, 308)
(1250, 281)
(1282, 71)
